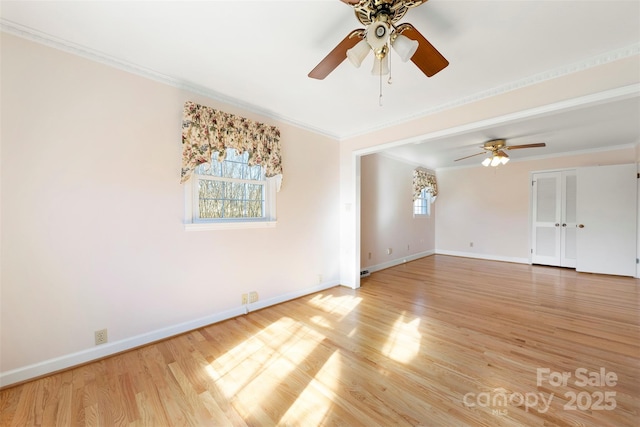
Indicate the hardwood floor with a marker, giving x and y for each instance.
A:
(440, 341)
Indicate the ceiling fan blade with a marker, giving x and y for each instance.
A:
(336, 56)
(515, 147)
(473, 155)
(501, 153)
(427, 58)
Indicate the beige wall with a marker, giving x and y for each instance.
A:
(92, 229)
(386, 212)
(490, 206)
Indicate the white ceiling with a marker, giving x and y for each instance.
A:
(257, 54)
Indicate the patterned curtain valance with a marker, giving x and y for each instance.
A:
(206, 130)
(423, 179)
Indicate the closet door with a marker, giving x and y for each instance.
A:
(546, 217)
(606, 208)
(568, 243)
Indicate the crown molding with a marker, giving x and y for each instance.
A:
(594, 61)
(96, 56)
(82, 51)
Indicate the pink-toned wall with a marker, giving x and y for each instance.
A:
(91, 211)
(92, 231)
(577, 87)
(386, 212)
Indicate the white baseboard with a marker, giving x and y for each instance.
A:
(483, 256)
(397, 261)
(67, 361)
(291, 295)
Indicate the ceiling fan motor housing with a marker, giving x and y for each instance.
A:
(369, 11)
(495, 144)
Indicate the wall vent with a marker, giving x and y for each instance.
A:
(365, 273)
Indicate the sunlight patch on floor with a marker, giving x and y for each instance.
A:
(404, 340)
(255, 369)
(284, 359)
(341, 306)
(321, 321)
(232, 367)
(313, 404)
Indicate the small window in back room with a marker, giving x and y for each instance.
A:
(422, 204)
(425, 191)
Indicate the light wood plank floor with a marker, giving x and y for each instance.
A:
(441, 341)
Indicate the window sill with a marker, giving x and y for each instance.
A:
(207, 226)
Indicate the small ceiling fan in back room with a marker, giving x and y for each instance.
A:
(381, 33)
(495, 151)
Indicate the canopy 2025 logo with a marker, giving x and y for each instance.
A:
(600, 400)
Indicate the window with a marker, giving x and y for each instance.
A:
(425, 191)
(422, 205)
(228, 193)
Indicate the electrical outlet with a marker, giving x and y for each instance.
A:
(389, 250)
(470, 244)
(253, 297)
(319, 278)
(101, 336)
(245, 299)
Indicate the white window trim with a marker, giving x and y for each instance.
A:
(191, 223)
(430, 201)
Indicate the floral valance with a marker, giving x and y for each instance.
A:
(206, 131)
(424, 179)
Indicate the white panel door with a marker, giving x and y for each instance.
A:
(568, 244)
(546, 215)
(554, 218)
(606, 214)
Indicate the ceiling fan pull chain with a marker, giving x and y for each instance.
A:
(380, 91)
(389, 81)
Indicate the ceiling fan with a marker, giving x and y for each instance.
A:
(496, 149)
(379, 35)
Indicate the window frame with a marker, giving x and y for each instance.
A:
(192, 197)
(425, 194)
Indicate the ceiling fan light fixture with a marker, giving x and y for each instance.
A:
(381, 29)
(358, 53)
(496, 160)
(380, 66)
(404, 46)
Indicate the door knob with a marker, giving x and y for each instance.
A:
(564, 225)
(557, 225)
(581, 226)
